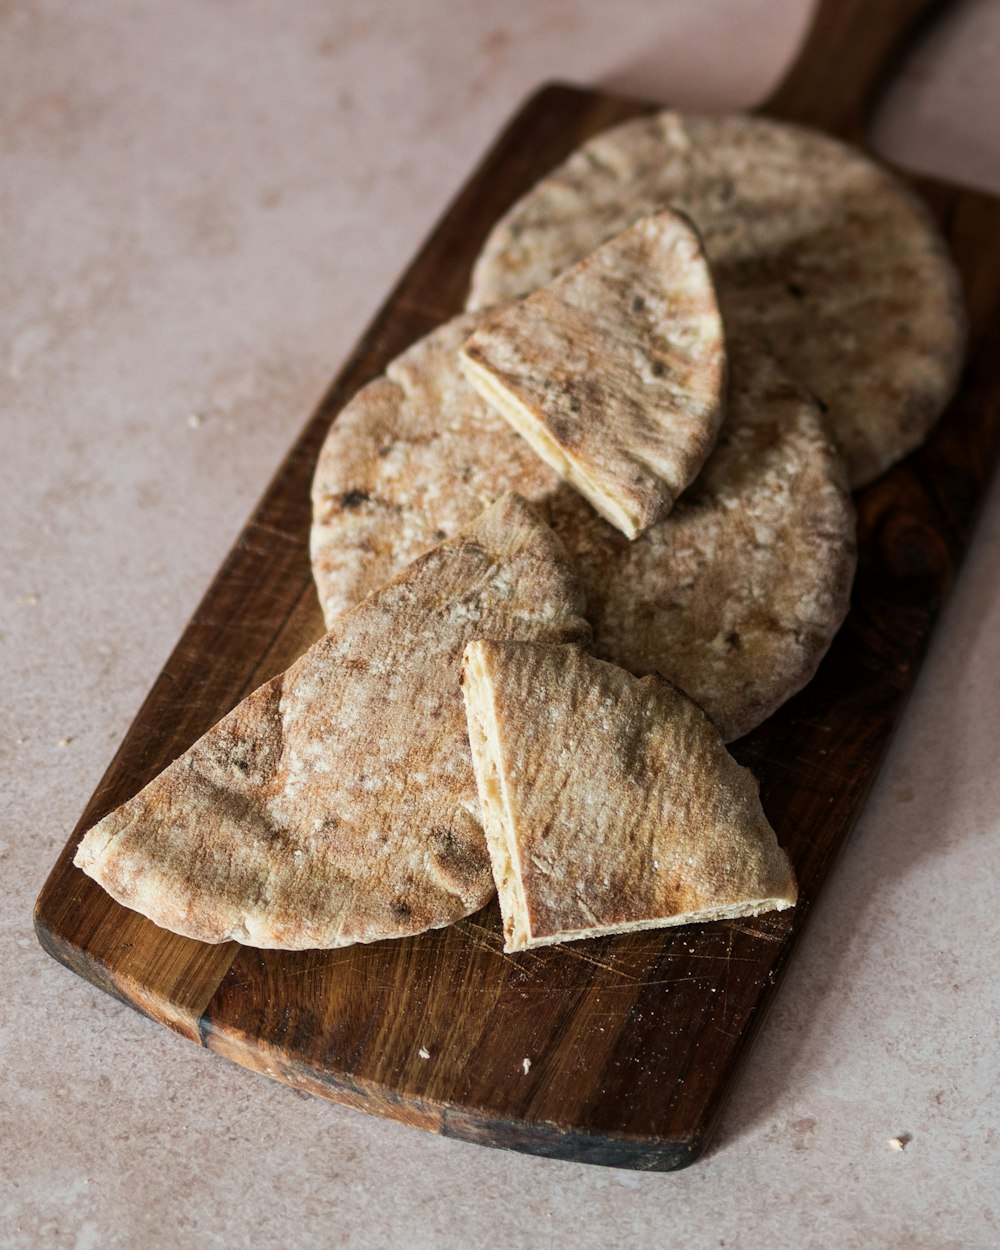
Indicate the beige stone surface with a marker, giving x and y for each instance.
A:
(202, 202)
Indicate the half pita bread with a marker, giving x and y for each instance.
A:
(337, 803)
(610, 803)
(735, 596)
(830, 261)
(615, 372)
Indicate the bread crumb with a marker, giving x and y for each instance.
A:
(64, 742)
(526, 1064)
(424, 1053)
(900, 1143)
(195, 419)
(27, 599)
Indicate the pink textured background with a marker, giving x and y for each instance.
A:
(202, 203)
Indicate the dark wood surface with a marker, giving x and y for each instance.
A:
(634, 1042)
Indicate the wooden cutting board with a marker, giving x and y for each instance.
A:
(619, 1051)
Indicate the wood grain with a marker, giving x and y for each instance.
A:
(632, 1043)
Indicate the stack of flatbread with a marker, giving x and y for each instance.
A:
(683, 348)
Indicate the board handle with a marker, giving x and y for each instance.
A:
(850, 51)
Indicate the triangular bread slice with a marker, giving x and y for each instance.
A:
(337, 803)
(610, 803)
(615, 372)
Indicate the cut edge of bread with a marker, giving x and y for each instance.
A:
(494, 799)
(523, 421)
(731, 911)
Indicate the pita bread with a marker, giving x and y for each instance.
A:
(615, 371)
(337, 803)
(734, 597)
(821, 253)
(610, 803)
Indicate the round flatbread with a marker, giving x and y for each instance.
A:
(615, 372)
(820, 253)
(734, 596)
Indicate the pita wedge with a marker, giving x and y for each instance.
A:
(610, 803)
(337, 803)
(830, 261)
(735, 596)
(615, 371)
